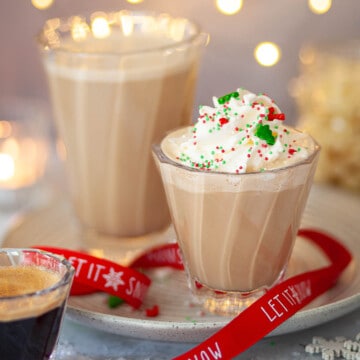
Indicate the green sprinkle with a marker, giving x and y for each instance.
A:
(264, 132)
(227, 97)
(114, 301)
(188, 318)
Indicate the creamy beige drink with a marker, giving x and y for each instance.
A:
(237, 183)
(113, 97)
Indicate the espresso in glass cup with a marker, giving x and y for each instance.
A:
(34, 288)
(118, 82)
(237, 184)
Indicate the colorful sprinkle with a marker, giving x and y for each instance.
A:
(114, 301)
(227, 97)
(152, 312)
(223, 121)
(272, 116)
(264, 132)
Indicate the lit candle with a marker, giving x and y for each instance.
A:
(22, 159)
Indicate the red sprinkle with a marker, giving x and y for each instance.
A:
(198, 285)
(272, 116)
(223, 121)
(292, 151)
(152, 312)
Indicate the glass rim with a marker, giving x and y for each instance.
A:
(45, 46)
(163, 158)
(64, 280)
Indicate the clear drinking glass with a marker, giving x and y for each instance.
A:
(24, 151)
(34, 288)
(236, 231)
(118, 82)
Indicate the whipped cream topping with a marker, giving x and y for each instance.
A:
(243, 132)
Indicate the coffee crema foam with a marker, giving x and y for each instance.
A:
(17, 282)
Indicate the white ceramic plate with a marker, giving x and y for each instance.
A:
(180, 320)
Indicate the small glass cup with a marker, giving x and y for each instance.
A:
(34, 288)
(25, 136)
(236, 231)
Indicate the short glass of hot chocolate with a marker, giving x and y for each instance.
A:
(34, 288)
(236, 184)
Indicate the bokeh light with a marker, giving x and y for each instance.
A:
(134, 1)
(267, 53)
(229, 7)
(7, 167)
(42, 4)
(320, 6)
(100, 27)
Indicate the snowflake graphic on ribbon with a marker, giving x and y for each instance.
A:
(338, 348)
(113, 279)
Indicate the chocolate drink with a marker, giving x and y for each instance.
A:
(237, 183)
(108, 119)
(29, 330)
(243, 255)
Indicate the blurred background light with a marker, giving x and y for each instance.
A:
(229, 7)
(7, 167)
(267, 53)
(42, 4)
(320, 6)
(100, 27)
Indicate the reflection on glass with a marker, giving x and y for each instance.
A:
(127, 23)
(100, 27)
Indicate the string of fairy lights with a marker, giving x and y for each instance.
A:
(265, 53)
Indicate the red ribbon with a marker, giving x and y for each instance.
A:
(95, 274)
(276, 306)
(264, 315)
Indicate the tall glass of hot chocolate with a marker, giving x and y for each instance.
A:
(118, 81)
(236, 183)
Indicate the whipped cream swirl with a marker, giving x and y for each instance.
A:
(243, 132)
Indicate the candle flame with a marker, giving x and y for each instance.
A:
(7, 167)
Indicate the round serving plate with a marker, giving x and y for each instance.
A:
(180, 319)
